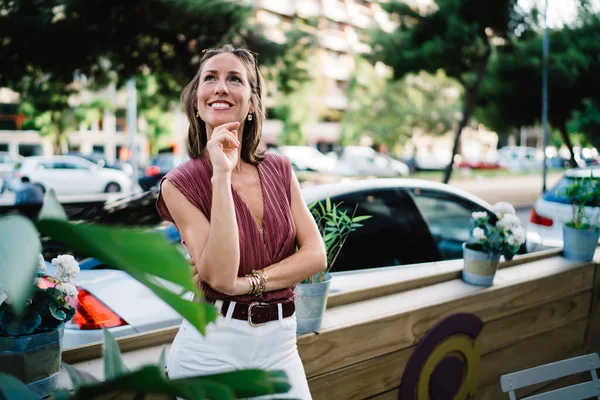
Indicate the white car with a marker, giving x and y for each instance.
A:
(366, 161)
(69, 175)
(518, 158)
(552, 209)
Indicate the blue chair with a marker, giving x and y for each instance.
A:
(555, 370)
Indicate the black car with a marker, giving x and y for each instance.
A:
(158, 167)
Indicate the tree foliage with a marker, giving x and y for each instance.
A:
(390, 112)
(48, 44)
(454, 35)
(512, 95)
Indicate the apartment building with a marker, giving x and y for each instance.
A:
(341, 28)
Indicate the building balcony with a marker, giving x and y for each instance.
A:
(308, 9)
(280, 7)
(336, 101)
(334, 42)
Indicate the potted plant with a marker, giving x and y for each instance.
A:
(580, 235)
(31, 342)
(492, 236)
(311, 294)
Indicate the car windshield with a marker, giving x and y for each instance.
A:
(557, 193)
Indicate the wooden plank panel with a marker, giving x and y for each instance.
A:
(362, 380)
(408, 318)
(389, 395)
(514, 328)
(593, 330)
(427, 275)
(378, 375)
(381, 374)
(553, 345)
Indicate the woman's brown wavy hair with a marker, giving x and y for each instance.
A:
(197, 136)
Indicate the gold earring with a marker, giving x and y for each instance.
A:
(249, 117)
(198, 113)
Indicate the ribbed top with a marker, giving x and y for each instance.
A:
(193, 179)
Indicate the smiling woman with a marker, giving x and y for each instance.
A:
(242, 219)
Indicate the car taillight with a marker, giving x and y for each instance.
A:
(152, 171)
(91, 313)
(537, 219)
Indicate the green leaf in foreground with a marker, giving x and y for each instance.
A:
(13, 389)
(145, 255)
(19, 249)
(230, 385)
(113, 362)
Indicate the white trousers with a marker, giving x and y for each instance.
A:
(232, 344)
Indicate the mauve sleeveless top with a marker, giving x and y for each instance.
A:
(193, 179)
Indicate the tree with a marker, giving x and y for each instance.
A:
(391, 112)
(456, 36)
(512, 94)
(114, 40)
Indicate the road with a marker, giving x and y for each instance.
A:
(520, 191)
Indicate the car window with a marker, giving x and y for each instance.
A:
(395, 235)
(448, 217)
(67, 165)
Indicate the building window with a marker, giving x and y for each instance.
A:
(3, 146)
(98, 149)
(27, 150)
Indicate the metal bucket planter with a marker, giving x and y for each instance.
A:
(479, 267)
(33, 359)
(311, 301)
(579, 244)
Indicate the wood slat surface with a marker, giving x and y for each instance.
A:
(411, 314)
(378, 375)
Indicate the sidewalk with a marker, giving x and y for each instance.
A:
(520, 191)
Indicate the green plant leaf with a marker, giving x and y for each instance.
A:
(150, 379)
(19, 249)
(361, 218)
(19, 325)
(57, 312)
(51, 208)
(113, 362)
(162, 362)
(128, 249)
(78, 377)
(12, 389)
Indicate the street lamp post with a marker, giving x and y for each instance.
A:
(132, 129)
(545, 97)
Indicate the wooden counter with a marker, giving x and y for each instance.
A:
(541, 308)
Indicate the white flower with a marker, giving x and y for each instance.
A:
(509, 222)
(517, 236)
(67, 267)
(68, 289)
(502, 208)
(477, 215)
(479, 234)
(42, 263)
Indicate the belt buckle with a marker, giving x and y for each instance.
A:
(255, 304)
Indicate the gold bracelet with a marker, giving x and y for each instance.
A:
(261, 279)
(255, 285)
(251, 285)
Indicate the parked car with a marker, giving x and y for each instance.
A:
(552, 209)
(158, 167)
(307, 158)
(7, 163)
(68, 175)
(414, 222)
(517, 158)
(101, 160)
(364, 160)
